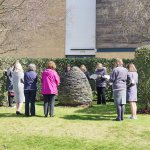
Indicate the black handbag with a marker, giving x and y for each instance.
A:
(130, 82)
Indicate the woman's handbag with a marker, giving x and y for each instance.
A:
(130, 81)
(11, 94)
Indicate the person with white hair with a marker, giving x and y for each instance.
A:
(18, 86)
(30, 80)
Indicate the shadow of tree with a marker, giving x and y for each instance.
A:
(95, 112)
(99, 109)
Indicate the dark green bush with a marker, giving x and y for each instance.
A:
(142, 62)
(90, 63)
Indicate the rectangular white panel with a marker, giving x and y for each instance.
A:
(80, 27)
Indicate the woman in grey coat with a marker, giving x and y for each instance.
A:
(132, 90)
(18, 86)
(118, 79)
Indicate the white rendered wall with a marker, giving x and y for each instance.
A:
(80, 27)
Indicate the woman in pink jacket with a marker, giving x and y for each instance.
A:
(50, 82)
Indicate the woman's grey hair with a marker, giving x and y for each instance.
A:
(32, 67)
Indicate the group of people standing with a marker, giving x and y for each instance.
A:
(122, 92)
(22, 87)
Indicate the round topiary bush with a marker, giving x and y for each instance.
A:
(75, 89)
(142, 62)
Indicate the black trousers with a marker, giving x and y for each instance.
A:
(49, 102)
(120, 111)
(30, 96)
(101, 95)
(10, 100)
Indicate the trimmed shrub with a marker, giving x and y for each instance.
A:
(142, 62)
(75, 89)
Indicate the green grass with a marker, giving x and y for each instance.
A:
(73, 129)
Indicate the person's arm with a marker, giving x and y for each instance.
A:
(57, 78)
(103, 76)
(42, 78)
(98, 75)
(5, 72)
(22, 78)
(88, 75)
(36, 79)
(137, 79)
(113, 76)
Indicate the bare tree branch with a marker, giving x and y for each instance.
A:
(2, 2)
(22, 20)
(9, 10)
(6, 51)
(134, 17)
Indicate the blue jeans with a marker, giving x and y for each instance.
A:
(49, 102)
(30, 98)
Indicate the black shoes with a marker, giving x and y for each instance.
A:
(118, 119)
(18, 113)
(50, 115)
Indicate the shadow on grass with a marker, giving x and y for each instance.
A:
(108, 109)
(3, 115)
(95, 112)
(10, 115)
(41, 103)
(88, 117)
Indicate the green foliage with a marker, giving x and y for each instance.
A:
(142, 62)
(90, 63)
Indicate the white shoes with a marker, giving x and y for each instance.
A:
(131, 117)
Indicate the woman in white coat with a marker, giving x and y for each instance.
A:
(18, 85)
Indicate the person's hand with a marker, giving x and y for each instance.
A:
(99, 76)
(110, 83)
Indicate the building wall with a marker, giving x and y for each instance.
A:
(51, 45)
(129, 55)
(84, 27)
(109, 33)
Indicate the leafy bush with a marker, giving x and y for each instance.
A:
(90, 63)
(142, 62)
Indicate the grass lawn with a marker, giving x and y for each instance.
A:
(73, 129)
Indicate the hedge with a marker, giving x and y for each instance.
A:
(142, 62)
(90, 63)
